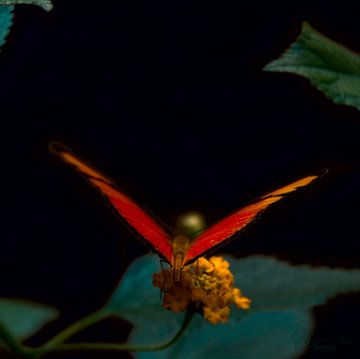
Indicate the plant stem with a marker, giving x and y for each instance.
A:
(75, 328)
(51, 345)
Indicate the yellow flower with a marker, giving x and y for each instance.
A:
(208, 284)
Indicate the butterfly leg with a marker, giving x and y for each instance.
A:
(212, 264)
(163, 289)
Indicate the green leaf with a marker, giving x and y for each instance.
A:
(277, 285)
(271, 335)
(278, 325)
(45, 4)
(136, 300)
(23, 319)
(6, 19)
(330, 67)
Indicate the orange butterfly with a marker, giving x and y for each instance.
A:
(178, 250)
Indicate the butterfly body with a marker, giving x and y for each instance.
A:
(180, 244)
(184, 247)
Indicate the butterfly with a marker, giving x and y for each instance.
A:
(178, 250)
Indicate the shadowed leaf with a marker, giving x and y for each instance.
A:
(330, 67)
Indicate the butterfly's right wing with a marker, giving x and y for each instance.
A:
(234, 223)
(137, 218)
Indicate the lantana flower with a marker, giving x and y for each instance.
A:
(207, 284)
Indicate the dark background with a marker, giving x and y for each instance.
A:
(170, 100)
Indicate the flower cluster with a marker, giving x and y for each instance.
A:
(208, 283)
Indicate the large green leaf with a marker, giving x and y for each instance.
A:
(271, 335)
(278, 325)
(330, 67)
(22, 318)
(45, 4)
(6, 18)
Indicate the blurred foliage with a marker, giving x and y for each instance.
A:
(330, 67)
(6, 19)
(278, 325)
(45, 4)
(23, 319)
(6, 14)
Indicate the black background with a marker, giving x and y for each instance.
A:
(170, 100)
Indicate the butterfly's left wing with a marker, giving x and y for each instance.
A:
(226, 228)
(142, 222)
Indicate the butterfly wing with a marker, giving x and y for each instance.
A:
(137, 218)
(226, 228)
